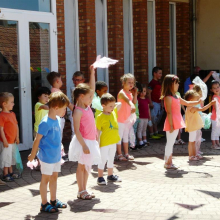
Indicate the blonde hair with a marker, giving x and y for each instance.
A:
(58, 99)
(4, 97)
(127, 76)
(190, 94)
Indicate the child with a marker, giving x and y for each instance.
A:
(78, 77)
(144, 116)
(41, 109)
(215, 88)
(154, 88)
(127, 101)
(174, 120)
(100, 89)
(48, 139)
(9, 135)
(84, 148)
(194, 123)
(107, 126)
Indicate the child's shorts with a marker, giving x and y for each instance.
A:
(50, 168)
(156, 113)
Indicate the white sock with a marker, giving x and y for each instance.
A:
(145, 141)
(141, 142)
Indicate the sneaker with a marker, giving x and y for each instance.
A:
(7, 178)
(154, 137)
(202, 139)
(114, 178)
(215, 147)
(159, 135)
(199, 156)
(101, 181)
(140, 146)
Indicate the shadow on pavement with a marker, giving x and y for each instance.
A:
(43, 215)
(190, 207)
(110, 188)
(210, 193)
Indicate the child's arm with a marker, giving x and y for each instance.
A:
(35, 147)
(168, 103)
(149, 112)
(183, 108)
(123, 96)
(2, 133)
(76, 120)
(17, 138)
(71, 106)
(189, 103)
(45, 107)
(135, 95)
(98, 135)
(194, 109)
(149, 96)
(92, 79)
(208, 76)
(118, 105)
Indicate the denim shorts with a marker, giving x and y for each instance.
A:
(156, 113)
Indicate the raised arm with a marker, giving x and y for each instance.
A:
(118, 105)
(76, 120)
(92, 78)
(135, 95)
(208, 76)
(189, 103)
(168, 103)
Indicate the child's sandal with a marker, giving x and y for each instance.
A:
(58, 204)
(48, 208)
(193, 158)
(14, 175)
(7, 178)
(121, 157)
(84, 195)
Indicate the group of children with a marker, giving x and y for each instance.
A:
(100, 125)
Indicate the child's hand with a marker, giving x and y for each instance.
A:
(17, 141)
(86, 150)
(31, 157)
(151, 106)
(92, 69)
(171, 129)
(5, 144)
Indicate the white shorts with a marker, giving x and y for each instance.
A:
(50, 168)
(192, 136)
(123, 130)
(215, 131)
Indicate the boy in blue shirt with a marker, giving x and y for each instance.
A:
(48, 139)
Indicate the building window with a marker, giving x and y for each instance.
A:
(128, 36)
(151, 37)
(172, 23)
(101, 36)
(31, 5)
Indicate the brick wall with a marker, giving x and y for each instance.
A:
(115, 43)
(183, 42)
(162, 35)
(140, 40)
(87, 35)
(61, 42)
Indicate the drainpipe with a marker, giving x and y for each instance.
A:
(194, 32)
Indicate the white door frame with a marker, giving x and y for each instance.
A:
(23, 18)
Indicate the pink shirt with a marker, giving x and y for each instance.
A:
(213, 117)
(87, 124)
(176, 116)
(125, 110)
(143, 105)
(55, 90)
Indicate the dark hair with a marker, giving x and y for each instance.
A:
(190, 94)
(82, 88)
(197, 88)
(155, 70)
(58, 99)
(167, 85)
(78, 73)
(4, 97)
(99, 85)
(139, 86)
(214, 82)
(106, 98)
(42, 90)
(52, 76)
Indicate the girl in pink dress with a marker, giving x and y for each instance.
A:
(174, 120)
(84, 148)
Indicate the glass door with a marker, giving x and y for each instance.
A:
(28, 50)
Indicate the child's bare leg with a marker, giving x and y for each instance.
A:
(5, 171)
(10, 170)
(43, 188)
(217, 142)
(125, 145)
(144, 138)
(179, 135)
(80, 176)
(53, 186)
(85, 179)
(110, 171)
(155, 128)
(194, 148)
(213, 142)
(119, 149)
(100, 173)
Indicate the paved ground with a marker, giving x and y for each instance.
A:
(147, 191)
